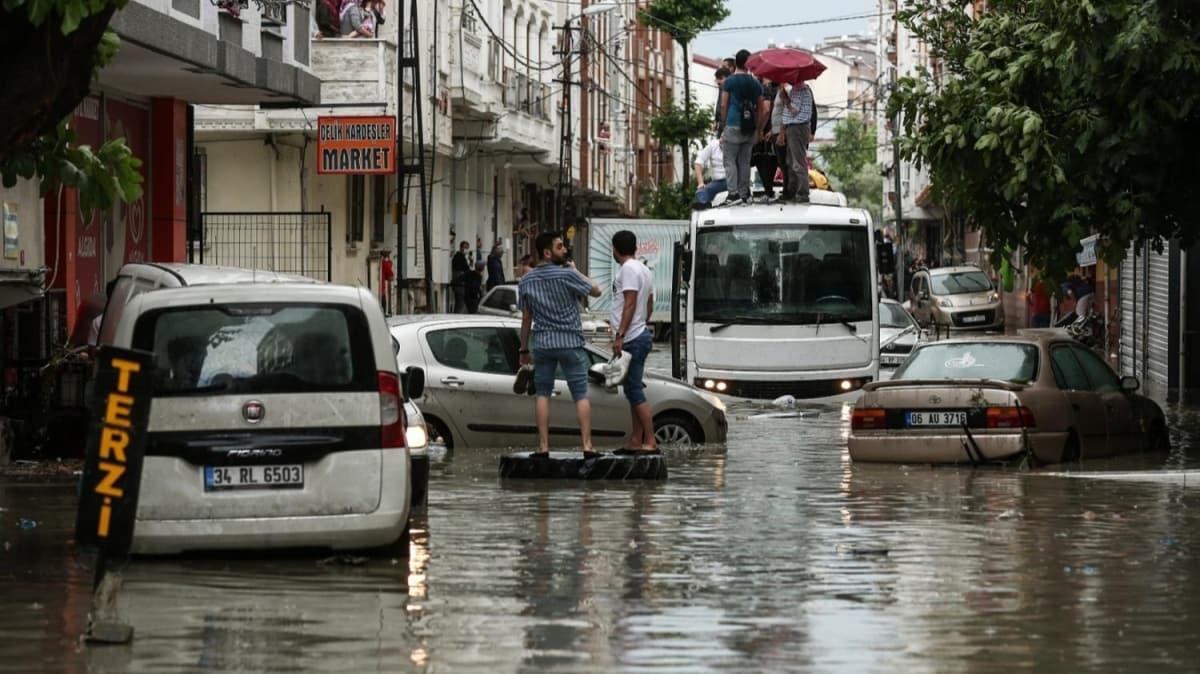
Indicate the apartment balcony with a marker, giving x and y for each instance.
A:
(528, 124)
(476, 77)
(356, 71)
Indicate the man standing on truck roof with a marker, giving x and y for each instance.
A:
(743, 111)
(549, 300)
(797, 119)
(632, 303)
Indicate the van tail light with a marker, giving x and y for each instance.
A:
(868, 419)
(391, 412)
(1010, 417)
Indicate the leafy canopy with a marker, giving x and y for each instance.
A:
(853, 147)
(101, 176)
(1059, 119)
(683, 20)
(676, 126)
(668, 200)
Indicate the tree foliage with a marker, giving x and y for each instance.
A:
(683, 20)
(852, 148)
(53, 48)
(668, 200)
(1058, 119)
(677, 126)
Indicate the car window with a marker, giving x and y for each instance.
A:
(501, 298)
(258, 348)
(1068, 373)
(972, 360)
(125, 289)
(1099, 375)
(491, 350)
(893, 316)
(960, 282)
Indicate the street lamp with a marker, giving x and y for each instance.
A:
(565, 148)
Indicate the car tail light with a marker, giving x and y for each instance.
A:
(868, 419)
(1010, 417)
(391, 411)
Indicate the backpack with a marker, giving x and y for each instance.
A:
(749, 116)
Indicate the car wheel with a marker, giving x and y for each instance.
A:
(1160, 440)
(398, 549)
(674, 428)
(1071, 449)
(438, 429)
(420, 479)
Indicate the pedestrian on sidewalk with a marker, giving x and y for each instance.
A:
(1039, 305)
(712, 161)
(473, 290)
(495, 267)
(743, 111)
(549, 300)
(460, 266)
(797, 119)
(632, 304)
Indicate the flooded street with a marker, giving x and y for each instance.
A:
(771, 553)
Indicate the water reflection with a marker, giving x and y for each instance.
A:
(772, 553)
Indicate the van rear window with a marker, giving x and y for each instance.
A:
(258, 348)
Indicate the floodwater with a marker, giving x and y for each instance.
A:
(772, 553)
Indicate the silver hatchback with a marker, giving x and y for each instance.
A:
(471, 363)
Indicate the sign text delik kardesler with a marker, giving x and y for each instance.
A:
(356, 145)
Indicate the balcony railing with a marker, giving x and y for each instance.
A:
(525, 94)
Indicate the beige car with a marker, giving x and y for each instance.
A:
(1039, 394)
(957, 298)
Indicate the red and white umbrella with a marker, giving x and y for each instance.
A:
(790, 66)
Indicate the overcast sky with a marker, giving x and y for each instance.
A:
(760, 12)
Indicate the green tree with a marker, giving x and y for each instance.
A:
(684, 20)
(850, 163)
(668, 200)
(52, 50)
(681, 127)
(1059, 119)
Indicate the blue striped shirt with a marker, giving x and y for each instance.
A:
(552, 294)
(802, 103)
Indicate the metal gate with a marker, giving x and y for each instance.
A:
(1158, 319)
(1132, 285)
(1146, 321)
(288, 243)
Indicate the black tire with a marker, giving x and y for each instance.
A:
(439, 429)
(671, 428)
(1071, 449)
(420, 480)
(1160, 439)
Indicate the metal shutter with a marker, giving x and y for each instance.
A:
(1158, 318)
(1131, 286)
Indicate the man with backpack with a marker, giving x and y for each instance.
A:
(744, 111)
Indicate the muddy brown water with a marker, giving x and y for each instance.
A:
(770, 553)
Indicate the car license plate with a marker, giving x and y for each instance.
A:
(979, 318)
(912, 419)
(220, 478)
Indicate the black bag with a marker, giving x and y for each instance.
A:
(749, 116)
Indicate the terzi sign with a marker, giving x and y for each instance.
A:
(356, 145)
(116, 443)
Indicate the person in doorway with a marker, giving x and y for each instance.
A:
(460, 266)
(1039, 305)
(711, 161)
(744, 110)
(552, 334)
(797, 118)
(495, 267)
(632, 305)
(473, 288)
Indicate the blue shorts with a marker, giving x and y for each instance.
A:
(574, 365)
(638, 348)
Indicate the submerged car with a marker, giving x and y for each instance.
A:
(1038, 394)
(470, 365)
(502, 301)
(277, 416)
(957, 298)
(898, 333)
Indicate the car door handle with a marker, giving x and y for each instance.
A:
(453, 382)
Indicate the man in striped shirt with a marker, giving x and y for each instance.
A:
(549, 296)
(797, 114)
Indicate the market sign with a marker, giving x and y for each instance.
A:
(112, 471)
(356, 145)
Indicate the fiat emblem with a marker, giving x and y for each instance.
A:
(253, 411)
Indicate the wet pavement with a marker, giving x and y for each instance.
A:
(771, 553)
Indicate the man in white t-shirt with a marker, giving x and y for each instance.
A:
(632, 303)
(712, 161)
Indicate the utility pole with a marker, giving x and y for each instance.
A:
(900, 287)
(409, 61)
(566, 149)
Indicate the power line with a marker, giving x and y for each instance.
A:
(810, 22)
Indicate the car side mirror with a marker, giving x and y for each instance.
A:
(414, 382)
(1130, 384)
(512, 308)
